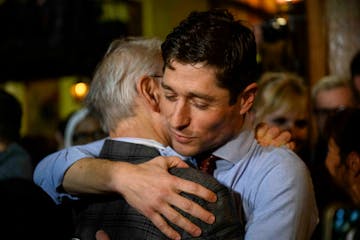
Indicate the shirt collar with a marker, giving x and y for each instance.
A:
(142, 141)
(236, 148)
(164, 151)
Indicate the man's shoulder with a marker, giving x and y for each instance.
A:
(278, 169)
(280, 158)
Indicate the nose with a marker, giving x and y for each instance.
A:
(180, 116)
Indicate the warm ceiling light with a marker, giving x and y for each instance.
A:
(281, 21)
(79, 90)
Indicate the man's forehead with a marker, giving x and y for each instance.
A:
(207, 90)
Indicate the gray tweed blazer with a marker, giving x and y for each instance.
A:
(121, 221)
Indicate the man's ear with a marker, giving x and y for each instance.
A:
(248, 98)
(353, 163)
(148, 89)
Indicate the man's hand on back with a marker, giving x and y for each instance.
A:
(148, 187)
(153, 191)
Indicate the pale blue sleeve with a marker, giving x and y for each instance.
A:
(50, 171)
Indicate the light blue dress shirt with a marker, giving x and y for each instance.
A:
(275, 185)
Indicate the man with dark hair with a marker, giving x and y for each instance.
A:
(15, 162)
(207, 89)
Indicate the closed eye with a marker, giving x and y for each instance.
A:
(200, 105)
(171, 97)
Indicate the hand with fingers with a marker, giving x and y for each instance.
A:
(272, 136)
(153, 191)
(147, 187)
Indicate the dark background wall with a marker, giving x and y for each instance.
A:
(41, 39)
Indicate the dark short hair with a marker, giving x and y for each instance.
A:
(344, 128)
(10, 117)
(215, 38)
(355, 65)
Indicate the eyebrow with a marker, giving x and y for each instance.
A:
(163, 85)
(205, 97)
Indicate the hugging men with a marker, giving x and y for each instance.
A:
(207, 88)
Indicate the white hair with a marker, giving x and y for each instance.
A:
(113, 87)
(327, 83)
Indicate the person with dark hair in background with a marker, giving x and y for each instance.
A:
(355, 76)
(15, 161)
(205, 93)
(329, 95)
(343, 157)
(27, 212)
(341, 219)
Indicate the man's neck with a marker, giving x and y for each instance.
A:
(137, 127)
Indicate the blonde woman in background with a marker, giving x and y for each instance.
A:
(283, 101)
